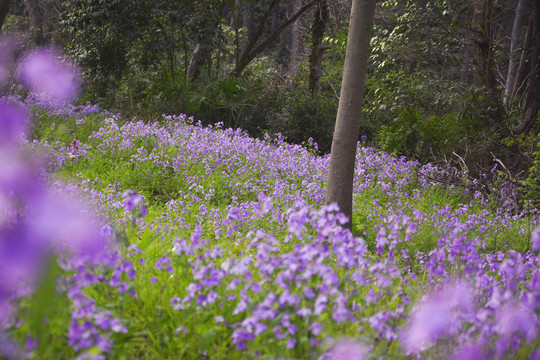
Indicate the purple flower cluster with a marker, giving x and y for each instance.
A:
(90, 327)
(275, 270)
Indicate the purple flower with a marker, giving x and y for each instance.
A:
(240, 336)
(316, 328)
(346, 349)
(131, 200)
(474, 352)
(45, 72)
(436, 315)
(67, 224)
(512, 319)
(291, 343)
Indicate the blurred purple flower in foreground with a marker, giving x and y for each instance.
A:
(474, 352)
(12, 123)
(66, 224)
(437, 315)
(516, 319)
(37, 222)
(8, 44)
(43, 72)
(346, 349)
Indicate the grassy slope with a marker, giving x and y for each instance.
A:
(230, 186)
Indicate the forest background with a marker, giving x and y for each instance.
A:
(448, 81)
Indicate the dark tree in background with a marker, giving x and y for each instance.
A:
(515, 43)
(255, 46)
(483, 39)
(318, 28)
(4, 10)
(35, 15)
(532, 97)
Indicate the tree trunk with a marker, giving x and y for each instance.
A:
(4, 10)
(35, 17)
(523, 67)
(532, 97)
(318, 28)
(251, 51)
(195, 63)
(248, 22)
(514, 45)
(484, 43)
(294, 53)
(344, 142)
(235, 25)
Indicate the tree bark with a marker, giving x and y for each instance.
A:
(484, 43)
(35, 17)
(4, 10)
(344, 142)
(532, 97)
(523, 67)
(515, 43)
(294, 53)
(252, 51)
(318, 28)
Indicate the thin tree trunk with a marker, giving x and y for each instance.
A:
(195, 63)
(514, 45)
(318, 28)
(248, 22)
(4, 10)
(532, 97)
(484, 43)
(235, 25)
(294, 54)
(36, 20)
(523, 67)
(344, 142)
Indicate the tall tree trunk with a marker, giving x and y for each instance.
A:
(248, 22)
(235, 24)
(318, 28)
(515, 43)
(532, 97)
(202, 54)
(35, 16)
(294, 53)
(486, 65)
(195, 63)
(523, 67)
(343, 154)
(200, 57)
(4, 10)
